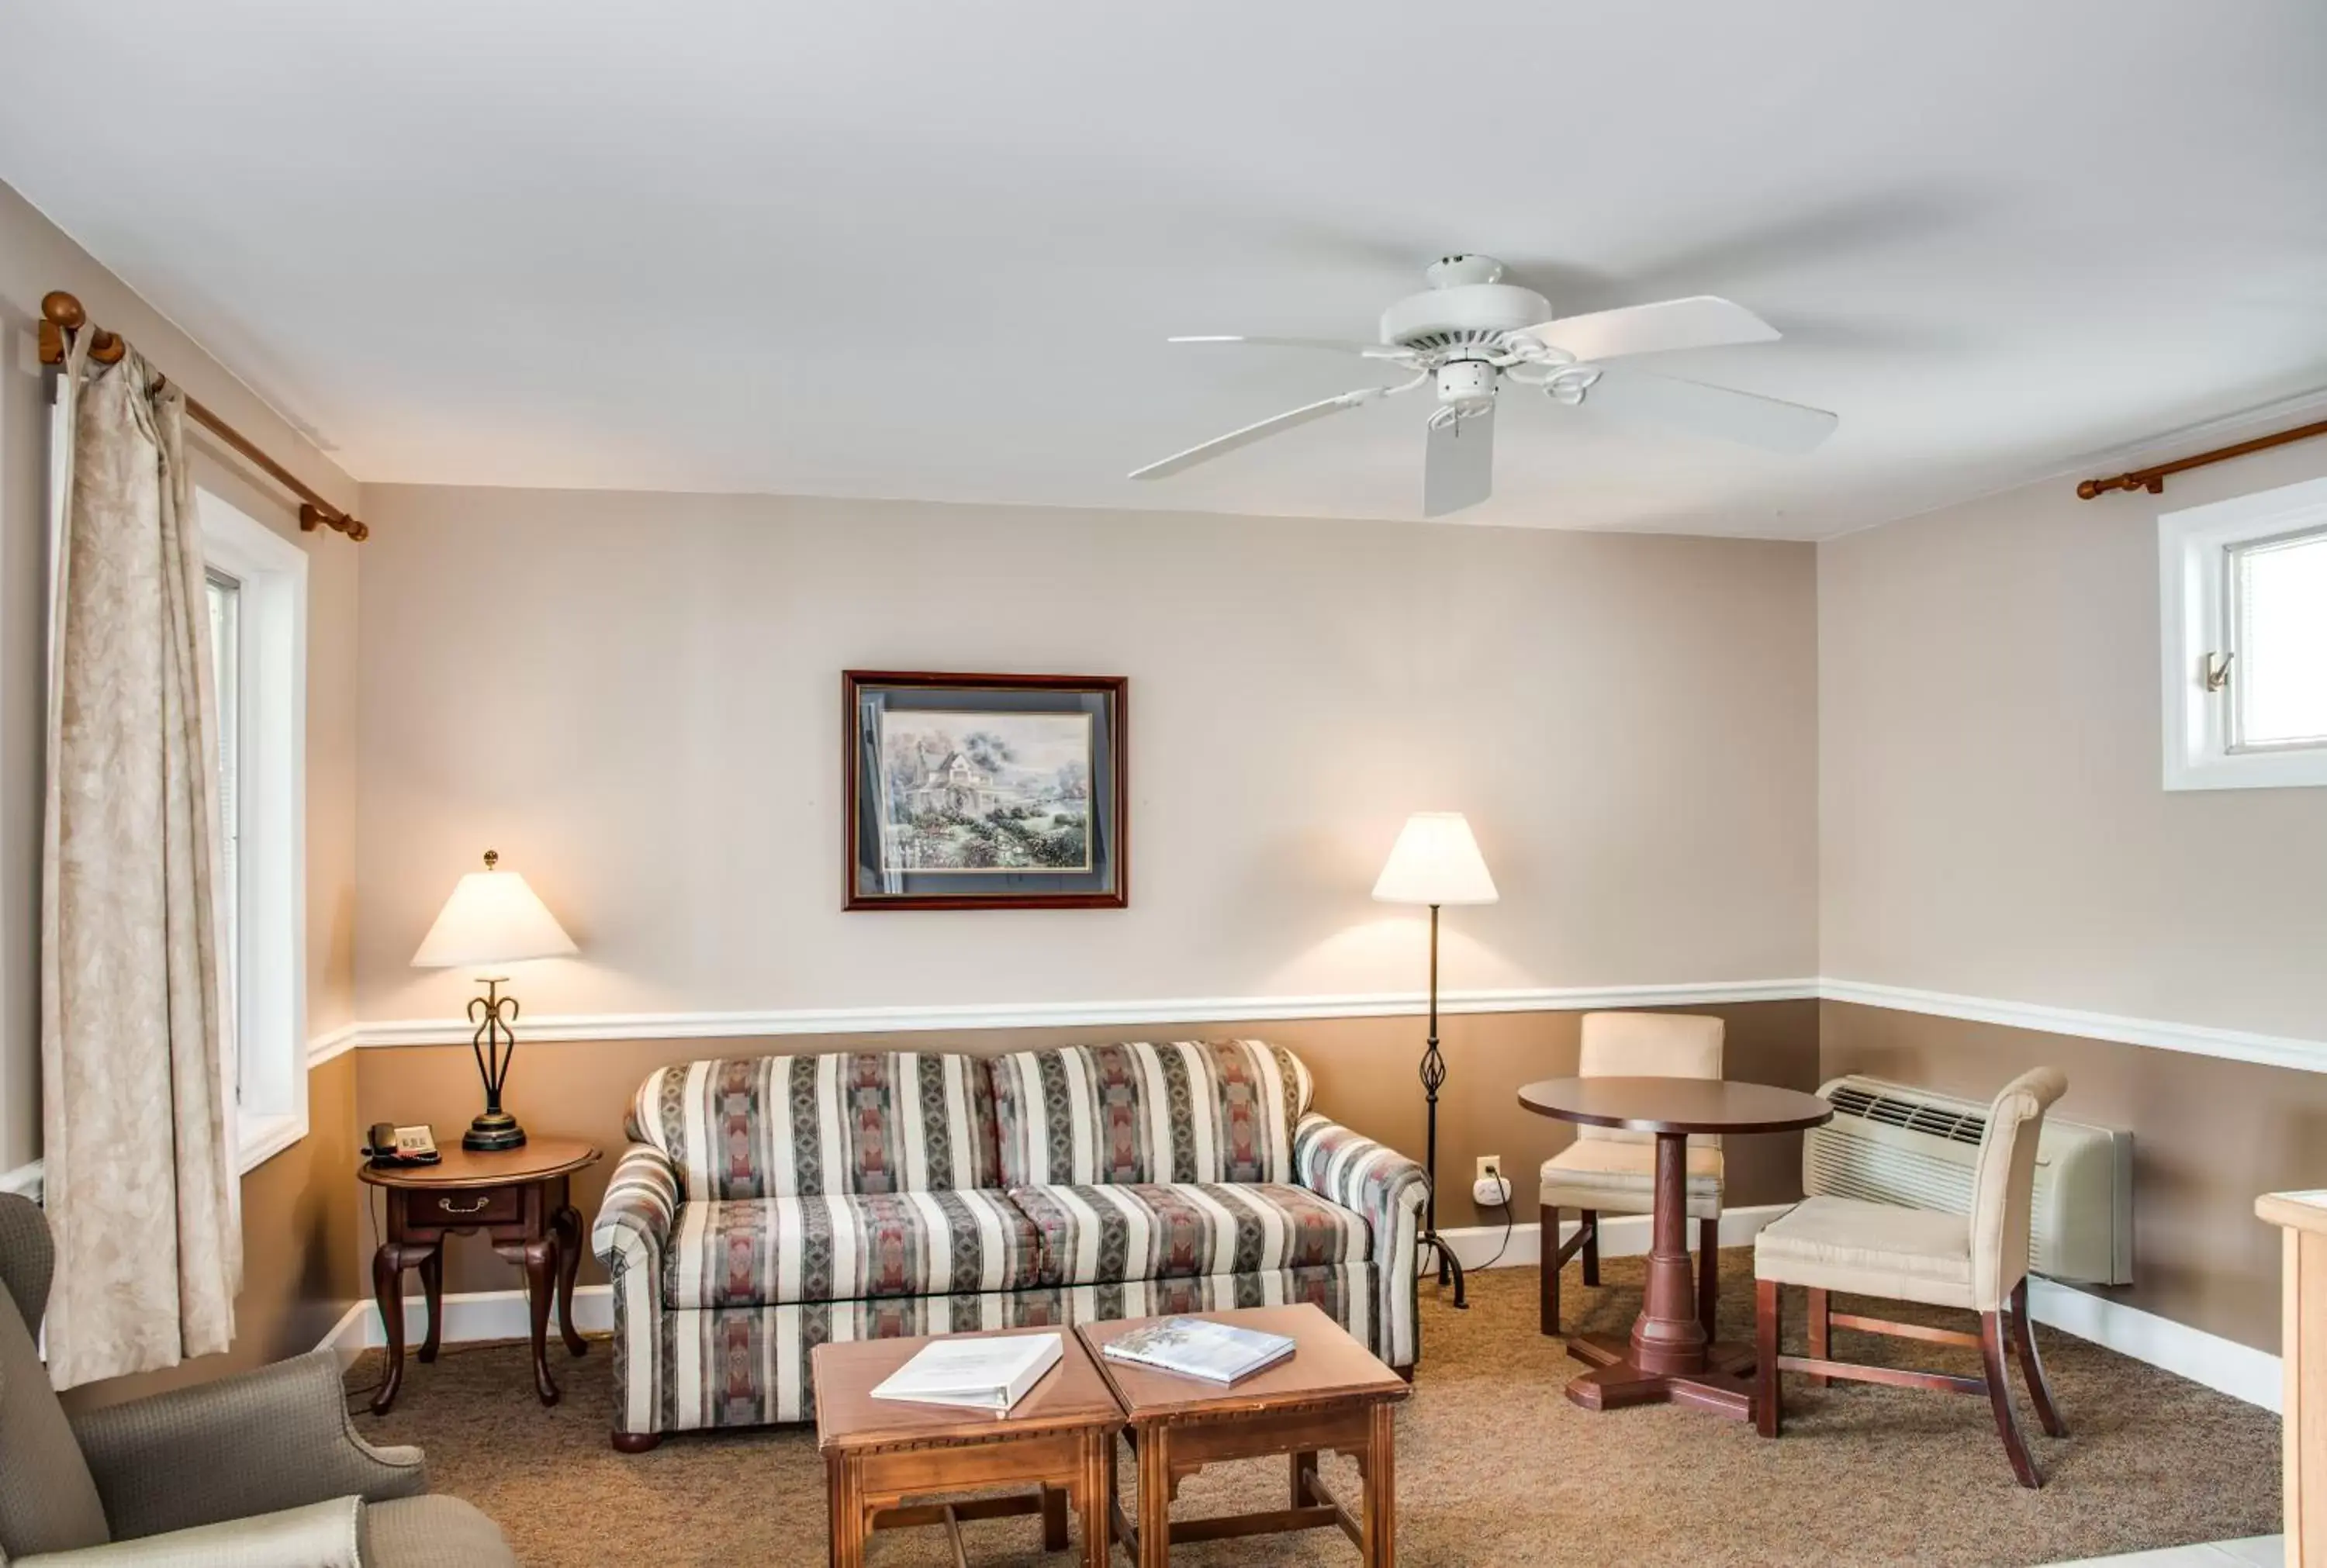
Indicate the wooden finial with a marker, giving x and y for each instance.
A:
(63, 309)
(492, 858)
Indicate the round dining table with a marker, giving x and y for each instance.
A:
(1667, 1356)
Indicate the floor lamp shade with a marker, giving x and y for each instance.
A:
(1436, 861)
(493, 919)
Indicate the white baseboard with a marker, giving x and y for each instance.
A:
(1621, 1236)
(2241, 1371)
(24, 1181)
(468, 1315)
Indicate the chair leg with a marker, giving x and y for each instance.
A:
(2024, 1344)
(1591, 1248)
(1708, 1271)
(1547, 1310)
(1767, 1310)
(1999, 1398)
(1821, 1335)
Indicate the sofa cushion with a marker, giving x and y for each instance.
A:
(1106, 1234)
(768, 1251)
(869, 1122)
(1190, 1111)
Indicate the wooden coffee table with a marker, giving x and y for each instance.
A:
(877, 1452)
(1331, 1394)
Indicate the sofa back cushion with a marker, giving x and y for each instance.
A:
(1190, 1111)
(862, 1124)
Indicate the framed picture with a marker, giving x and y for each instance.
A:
(985, 791)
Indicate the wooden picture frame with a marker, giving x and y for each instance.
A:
(985, 791)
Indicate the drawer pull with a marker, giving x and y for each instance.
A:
(449, 1207)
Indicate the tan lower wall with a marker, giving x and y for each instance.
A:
(1365, 1071)
(2208, 1136)
(300, 1225)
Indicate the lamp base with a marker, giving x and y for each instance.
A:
(493, 1130)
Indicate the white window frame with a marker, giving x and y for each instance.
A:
(269, 1027)
(2195, 566)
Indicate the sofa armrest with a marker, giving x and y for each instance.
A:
(635, 1217)
(256, 1443)
(319, 1536)
(1390, 1190)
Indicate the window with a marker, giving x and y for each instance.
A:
(257, 599)
(225, 596)
(2243, 587)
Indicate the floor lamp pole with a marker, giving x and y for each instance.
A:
(1434, 1074)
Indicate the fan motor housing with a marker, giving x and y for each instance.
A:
(1467, 316)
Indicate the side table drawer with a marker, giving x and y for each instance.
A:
(467, 1206)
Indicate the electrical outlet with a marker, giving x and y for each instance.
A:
(1490, 1190)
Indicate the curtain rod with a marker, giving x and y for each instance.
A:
(2153, 479)
(60, 313)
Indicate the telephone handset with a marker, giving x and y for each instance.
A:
(393, 1147)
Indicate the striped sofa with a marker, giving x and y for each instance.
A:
(768, 1204)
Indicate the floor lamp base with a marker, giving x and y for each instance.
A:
(1450, 1267)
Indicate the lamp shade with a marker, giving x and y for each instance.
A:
(492, 917)
(1436, 861)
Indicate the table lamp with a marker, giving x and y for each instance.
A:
(1435, 861)
(493, 919)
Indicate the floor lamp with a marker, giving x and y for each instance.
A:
(1435, 861)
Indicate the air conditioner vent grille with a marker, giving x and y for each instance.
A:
(1912, 1116)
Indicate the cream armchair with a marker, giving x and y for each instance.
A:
(1610, 1171)
(262, 1471)
(1978, 1262)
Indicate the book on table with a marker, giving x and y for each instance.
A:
(981, 1373)
(1200, 1348)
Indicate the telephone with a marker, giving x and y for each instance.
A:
(393, 1147)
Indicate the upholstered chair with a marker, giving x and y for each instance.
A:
(261, 1470)
(1610, 1171)
(1978, 1262)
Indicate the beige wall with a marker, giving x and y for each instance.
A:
(2208, 1136)
(1992, 824)
(635, 699)
(297, 1215)
(1365, 1071)
(1992, 820)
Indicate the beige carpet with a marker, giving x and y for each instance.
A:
(1494, 1465)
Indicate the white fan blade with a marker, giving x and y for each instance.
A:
(1252, 432)
(1329, 345)
(1699, 321)
(1639, 396)
(1459, 470)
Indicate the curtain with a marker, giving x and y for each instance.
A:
(140, 1177)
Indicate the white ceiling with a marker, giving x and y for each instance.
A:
(932, 249)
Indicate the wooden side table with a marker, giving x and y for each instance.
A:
(519, 1198)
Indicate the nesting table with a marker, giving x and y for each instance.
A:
(1332, 1393)
(1668, 1355)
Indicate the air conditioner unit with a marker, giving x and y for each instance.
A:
(1891, 1144)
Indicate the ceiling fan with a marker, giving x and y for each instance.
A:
(1469, 331)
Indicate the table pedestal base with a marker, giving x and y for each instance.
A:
(1723, 1385)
